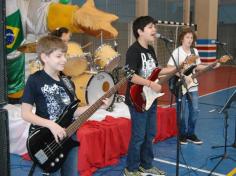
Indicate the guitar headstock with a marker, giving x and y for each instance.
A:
(224, 59)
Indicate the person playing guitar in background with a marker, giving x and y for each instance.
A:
(141, 58)
(46, 90)
(189, 100)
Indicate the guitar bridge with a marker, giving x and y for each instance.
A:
(41, 156)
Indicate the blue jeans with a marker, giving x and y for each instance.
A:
(189, 113)
(143, 131)
(69, 167)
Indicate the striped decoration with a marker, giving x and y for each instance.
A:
(176, 23)
(206, 49)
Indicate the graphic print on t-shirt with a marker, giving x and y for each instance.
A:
(148, 64)
(56, 100)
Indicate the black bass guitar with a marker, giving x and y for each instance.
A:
(42, 147)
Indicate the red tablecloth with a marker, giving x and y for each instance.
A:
(166, 123)
(103, 143)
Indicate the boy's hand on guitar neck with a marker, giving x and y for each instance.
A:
(217, 65)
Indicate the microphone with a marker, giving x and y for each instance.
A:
(164, 38)
(219, 43)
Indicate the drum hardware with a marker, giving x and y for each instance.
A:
(101, 37)
(86, 45)
(35, 65)
(110, 108)
(117, 74)
(119, 98)
(91, 72)
(91, 64)
(115, 45)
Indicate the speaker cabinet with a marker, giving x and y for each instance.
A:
(4, 144)
(3, 73)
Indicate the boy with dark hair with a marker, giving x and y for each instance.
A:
(142, 59)
(47, 91)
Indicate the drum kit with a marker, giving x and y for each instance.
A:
(91, 74)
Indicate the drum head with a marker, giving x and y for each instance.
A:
(106, 57)
(75, 66)
(74, 50)
(98, 85)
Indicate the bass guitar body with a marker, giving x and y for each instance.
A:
(44, 150)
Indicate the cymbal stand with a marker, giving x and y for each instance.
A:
(101, 37)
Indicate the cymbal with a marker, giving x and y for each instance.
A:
(28, 48)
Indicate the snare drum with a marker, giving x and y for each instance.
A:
(106, 57)
(90, 87)
(76, 60)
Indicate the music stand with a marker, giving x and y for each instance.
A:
(224, 110)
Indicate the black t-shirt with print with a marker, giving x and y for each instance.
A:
(142, 60)
(49, 96)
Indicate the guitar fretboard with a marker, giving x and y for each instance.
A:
(86, 114)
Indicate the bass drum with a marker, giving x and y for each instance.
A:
(90, 87)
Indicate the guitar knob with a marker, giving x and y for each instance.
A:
(61, 155)
(52, 164)
(57, 160)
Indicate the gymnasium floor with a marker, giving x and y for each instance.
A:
(215, 88)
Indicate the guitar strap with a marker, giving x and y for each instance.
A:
(32, 169)
(192, 51)
(69, 86)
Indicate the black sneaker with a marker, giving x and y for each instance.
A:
(183, 140)
(193, 138)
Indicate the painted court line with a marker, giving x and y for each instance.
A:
(217, 91)
(190, 167)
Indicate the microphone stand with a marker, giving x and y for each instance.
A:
(234, 144)
(179, 104)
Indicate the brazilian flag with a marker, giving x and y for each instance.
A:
(15, 66)
(16, 74)
(14, 32)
